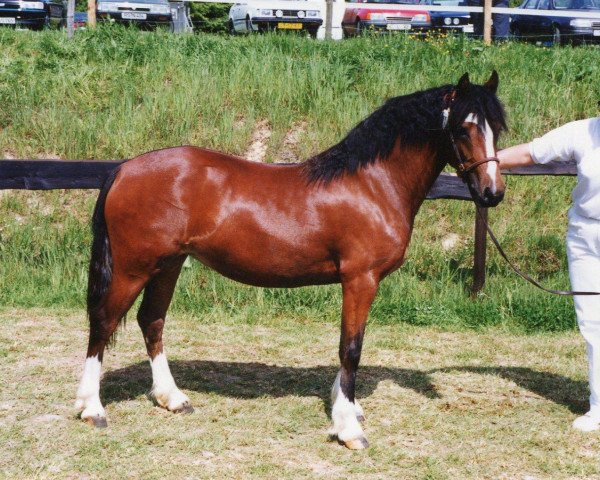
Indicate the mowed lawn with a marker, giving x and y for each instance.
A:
(439, 403)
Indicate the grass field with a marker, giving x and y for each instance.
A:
(452, 387)
(115, 93)
(440, 404)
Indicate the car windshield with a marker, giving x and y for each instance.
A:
(577, 4)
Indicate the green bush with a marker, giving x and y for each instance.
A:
(210, 17)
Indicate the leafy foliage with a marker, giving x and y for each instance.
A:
(210, 17)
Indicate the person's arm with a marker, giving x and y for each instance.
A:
(516, 156)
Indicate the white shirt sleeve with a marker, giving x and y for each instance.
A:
(557, 145)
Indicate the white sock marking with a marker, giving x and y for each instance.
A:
(343, 414)
(163, 385)
(88, 393)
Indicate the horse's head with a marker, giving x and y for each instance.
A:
(474, 120)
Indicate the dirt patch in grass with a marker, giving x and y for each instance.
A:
(257, 150)
(289, 151)
(438, 404)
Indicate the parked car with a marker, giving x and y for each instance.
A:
(459, 22)
(361, 19)
(145, 13)
(37, 15)
(263, 15)
(80, 20)
(558, 30)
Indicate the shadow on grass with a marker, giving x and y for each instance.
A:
(561, 390)
(254, 380)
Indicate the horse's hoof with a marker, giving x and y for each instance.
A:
(357, 443)
(185, 409)
(360, 418)
(96, 421)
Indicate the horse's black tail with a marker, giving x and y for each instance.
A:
(100, 271)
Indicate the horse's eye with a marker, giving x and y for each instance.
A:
(462, 134)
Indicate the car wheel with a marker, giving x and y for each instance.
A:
(248, 25)
(231, 27)
(45, 25)
(556, 36)
(63, 19)
(517, 34)
(359, 28)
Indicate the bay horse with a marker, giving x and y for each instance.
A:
(343, 216)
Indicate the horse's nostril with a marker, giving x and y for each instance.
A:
(490, 199)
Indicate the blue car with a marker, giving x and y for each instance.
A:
(33, 14)
(558, 30)
(457, 22)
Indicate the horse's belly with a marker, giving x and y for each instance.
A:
(267, 270)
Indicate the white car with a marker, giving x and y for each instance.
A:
(262, 15)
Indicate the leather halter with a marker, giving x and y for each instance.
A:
(461, 170)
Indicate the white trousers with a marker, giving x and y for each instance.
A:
(583, 253)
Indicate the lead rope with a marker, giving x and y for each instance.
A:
(522, 274)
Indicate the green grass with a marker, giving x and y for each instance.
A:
(438, 404)
(116, 93)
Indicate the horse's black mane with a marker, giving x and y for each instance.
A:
(413, 119)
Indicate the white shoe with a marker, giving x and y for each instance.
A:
(587, 422)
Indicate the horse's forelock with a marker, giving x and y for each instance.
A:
(484, 105)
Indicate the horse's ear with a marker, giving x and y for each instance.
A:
(463, 84)
(492, 83)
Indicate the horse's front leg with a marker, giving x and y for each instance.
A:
(358, 294)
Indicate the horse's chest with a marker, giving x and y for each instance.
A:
(379, 250)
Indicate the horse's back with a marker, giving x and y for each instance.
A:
(252, 222)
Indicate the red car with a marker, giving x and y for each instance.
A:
(358, 20)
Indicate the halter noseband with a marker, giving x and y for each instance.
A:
(461, 170)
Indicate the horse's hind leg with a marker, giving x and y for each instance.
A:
(151, 318)
(358, 294)
(121, 294)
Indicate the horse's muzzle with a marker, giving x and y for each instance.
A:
(489, 198)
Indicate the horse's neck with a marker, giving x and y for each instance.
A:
(413, 171)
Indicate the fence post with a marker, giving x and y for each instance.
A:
(328, 19)
(480, 250)
(487, 22)
(70, 19)
(91, 13)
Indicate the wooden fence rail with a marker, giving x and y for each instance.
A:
(74, 174)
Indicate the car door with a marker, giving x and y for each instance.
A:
(525, 23)
(542, 26)
(234, 13)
